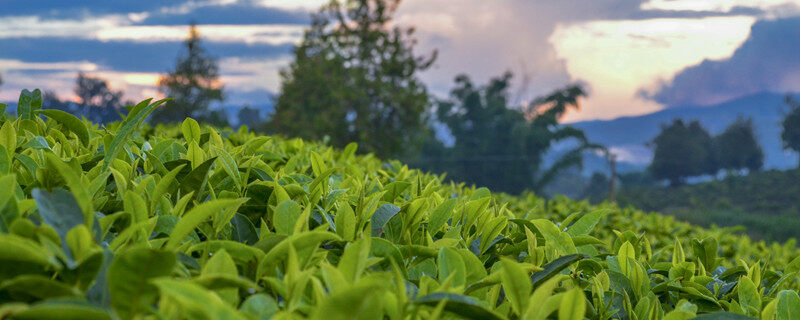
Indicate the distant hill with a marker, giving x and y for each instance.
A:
(628, 135)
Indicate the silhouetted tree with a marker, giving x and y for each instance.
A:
(791, 126)
(682, 151)
(499, 146)
(708, 163)
(50, 100)
(193, 84)
(98, 102)
(597, 190)
(354, 78)
(738, 148)
(249, 116)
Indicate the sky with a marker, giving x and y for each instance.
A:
(634, 56)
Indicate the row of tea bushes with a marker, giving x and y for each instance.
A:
(129, 221)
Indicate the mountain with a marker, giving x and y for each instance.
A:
(627, 136)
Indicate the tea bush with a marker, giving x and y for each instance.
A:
(129, 221)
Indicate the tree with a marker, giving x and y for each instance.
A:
(354, 78)
(249, 116)
(738, 147)
(193, 84)
(97, 101)
(791, 126)
(499, 146)
(597, 190)
(682, 151)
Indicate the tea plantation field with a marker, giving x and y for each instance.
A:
(130, 221)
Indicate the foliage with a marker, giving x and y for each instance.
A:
(738, 148)
(597, 189)
(354, 78)
(791, 126)
(682, 151)
(188, 222)
(193, 84)
(766, 202)
(97, 102)
(498, 145)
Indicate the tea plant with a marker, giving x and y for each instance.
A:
(129, 221)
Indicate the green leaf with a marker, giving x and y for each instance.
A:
(38, 287)
(440, 215)
(462, 305)
(788, 305)
(561, 241)
(261, 306)
(8, 138)
(62, 310)
(317, 164)
(354, 259)
(360, 302)
(552, 268)
(28, 103)
(586, 223)
(191, 130)
(163, 186)
(452, 265)
(382, 216)
(197, 215)
(516, 285)
(131, 122)
(196, 302)
(59, 210)
(75, 185)
(243, 230)
(573, 305)
(286, 215)
(128, 276)
(197, 178)
(71, 122)
(724, 316)
(230, 166)
(749, 297)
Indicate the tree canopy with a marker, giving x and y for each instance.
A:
(193, 85)
(354, 78)
(791, 126)
(682, 151)
(502, 146)
(738, 147)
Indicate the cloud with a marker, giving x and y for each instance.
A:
(233, 14)
(119, 28)
(618, 57)
(767, 61)
(73, 8)
(485, 38)
(124, 55)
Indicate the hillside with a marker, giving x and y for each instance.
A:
(766, 109)
(765, 202)
(191, 222)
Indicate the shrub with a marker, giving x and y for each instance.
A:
(190, 222)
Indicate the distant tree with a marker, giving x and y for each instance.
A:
(50, 100)
(791, 126)
(682, 151)
(98, 102)
(193, 84)
(217, 118)
(597, 189)
(500, 146)
(354, 78)
(708, 163)
(738, 148)
(249, 116)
